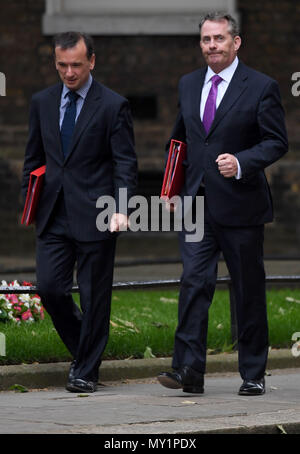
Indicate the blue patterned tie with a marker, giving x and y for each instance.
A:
(68, 124)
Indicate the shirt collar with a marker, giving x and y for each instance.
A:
(82, 91)
(226, 74)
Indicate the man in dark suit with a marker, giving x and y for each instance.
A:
(82, 131)
(233, 123)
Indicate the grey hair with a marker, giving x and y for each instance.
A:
(217, 16)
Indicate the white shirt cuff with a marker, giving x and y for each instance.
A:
(238, 176)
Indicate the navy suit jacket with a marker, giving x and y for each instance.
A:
(249, 123)
(100, 161)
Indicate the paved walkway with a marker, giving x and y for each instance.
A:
(145, 407)
(144, 272)
(131, 401)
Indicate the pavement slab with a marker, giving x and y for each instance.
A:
(145, 407)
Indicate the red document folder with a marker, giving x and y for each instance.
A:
(174, 173)
(33, 193)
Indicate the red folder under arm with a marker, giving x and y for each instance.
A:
(174, 173)
(33, 193)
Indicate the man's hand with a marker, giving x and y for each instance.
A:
(227, 164)
(119, 222)
(170, 207)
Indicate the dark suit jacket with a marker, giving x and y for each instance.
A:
(249, 123)
(100, 161)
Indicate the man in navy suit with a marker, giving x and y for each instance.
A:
(232, 120)
(82, 131)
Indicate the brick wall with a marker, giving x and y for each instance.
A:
(145, 66)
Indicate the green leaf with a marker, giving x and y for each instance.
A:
(281, 429)
(19, 388)
(148, 353)
(3, 314)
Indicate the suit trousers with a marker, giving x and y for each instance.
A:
(242, 249)
(84, 332)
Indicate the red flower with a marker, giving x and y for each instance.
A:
(26, 315)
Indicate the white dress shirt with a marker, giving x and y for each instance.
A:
(226, 75)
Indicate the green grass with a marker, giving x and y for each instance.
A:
(142, 319)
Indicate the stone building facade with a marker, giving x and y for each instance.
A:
(146, 69)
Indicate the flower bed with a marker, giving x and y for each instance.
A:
(20, 308)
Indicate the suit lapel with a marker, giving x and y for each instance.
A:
(90, 105)
(196, 96)
(53, 107)
(236, 87)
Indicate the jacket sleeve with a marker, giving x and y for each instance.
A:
(123, 153)
(34, 153)
(273, 142)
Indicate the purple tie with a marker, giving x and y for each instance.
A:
(210, 106)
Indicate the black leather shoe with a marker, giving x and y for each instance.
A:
(186, 378)
(80, 385)
(71, 371)
(252, 387)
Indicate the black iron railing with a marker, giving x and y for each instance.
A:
(169, 283)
